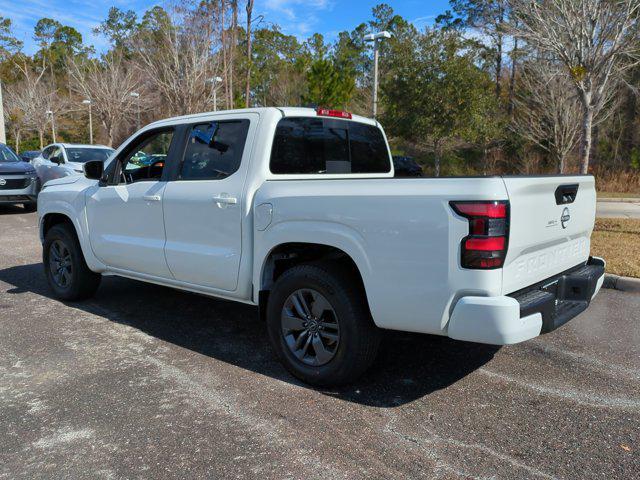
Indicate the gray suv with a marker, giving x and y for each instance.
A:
(64, 159)
(18, 180)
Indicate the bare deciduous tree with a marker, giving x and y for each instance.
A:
(108, 83)
(548, 111)
(37, 96)
(14, 111)
(178, 61)
(595, 40)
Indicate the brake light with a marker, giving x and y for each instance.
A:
(325, 112)
(486, 245)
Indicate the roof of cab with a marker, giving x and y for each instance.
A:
(285, 112)
(82, 145)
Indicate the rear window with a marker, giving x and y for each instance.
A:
(326, 145)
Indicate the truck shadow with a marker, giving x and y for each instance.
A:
(408, 367)
(10, 209)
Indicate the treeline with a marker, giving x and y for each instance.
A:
(494, 86)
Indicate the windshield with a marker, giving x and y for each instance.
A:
(7, 155)
(83, 155)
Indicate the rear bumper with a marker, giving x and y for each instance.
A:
(522, 315)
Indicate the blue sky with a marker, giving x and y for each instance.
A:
(296, 17)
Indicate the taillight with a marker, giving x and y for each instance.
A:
(326, 112)
(486, 245)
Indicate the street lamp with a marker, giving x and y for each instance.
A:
(88, 102)
(136, 95)
(53, 126)
(376, 38)
(213, 81)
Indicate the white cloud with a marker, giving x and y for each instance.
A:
(83, 15)
(295, 17)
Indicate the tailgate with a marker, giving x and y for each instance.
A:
(550, 227)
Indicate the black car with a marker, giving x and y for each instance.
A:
(406, 167)
(18, 180)
(29, 155)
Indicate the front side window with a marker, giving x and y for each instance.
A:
(214, 150)
(56, 156)
(146, 157)
(310, 145)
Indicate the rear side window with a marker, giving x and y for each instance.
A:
(325, 145)
(214, 150)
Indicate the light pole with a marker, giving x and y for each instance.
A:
(53, 126)
(213, 81)
(136, 95)
(375, 38)
(3, 135)
(88, 102)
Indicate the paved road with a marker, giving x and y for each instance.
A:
(618, 209)
(147, 382)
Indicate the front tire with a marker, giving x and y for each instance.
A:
(67, 272)
(320, 326)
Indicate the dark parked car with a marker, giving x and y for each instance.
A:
(29, 155)
(18, 180)
(406, 167)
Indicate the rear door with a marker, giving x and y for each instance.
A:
(551, 221)
(203, 207)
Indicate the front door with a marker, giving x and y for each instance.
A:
(203, 206)
(126, 226)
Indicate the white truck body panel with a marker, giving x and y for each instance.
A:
(407, 256)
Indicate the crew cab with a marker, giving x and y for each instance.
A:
(296, 211)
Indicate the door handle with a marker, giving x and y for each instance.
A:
(225, 199)
(152, 198)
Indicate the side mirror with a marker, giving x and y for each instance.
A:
(93, 170)
(56, 160)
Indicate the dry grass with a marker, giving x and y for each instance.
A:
(618, 195)
(615, 180)
(617, 240)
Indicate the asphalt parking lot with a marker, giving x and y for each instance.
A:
(148, 382)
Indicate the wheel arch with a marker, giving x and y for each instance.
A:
(51, 219)
(56, 217)
(284, 256)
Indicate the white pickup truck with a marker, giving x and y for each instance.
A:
(297, 211)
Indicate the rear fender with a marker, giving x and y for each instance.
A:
(331, 234)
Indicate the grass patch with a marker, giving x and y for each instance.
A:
(618, 195)
(617, 240)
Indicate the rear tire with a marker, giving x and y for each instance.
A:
(337, 341)
(65, 268)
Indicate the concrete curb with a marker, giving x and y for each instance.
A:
(620, 200)
(624, 284)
